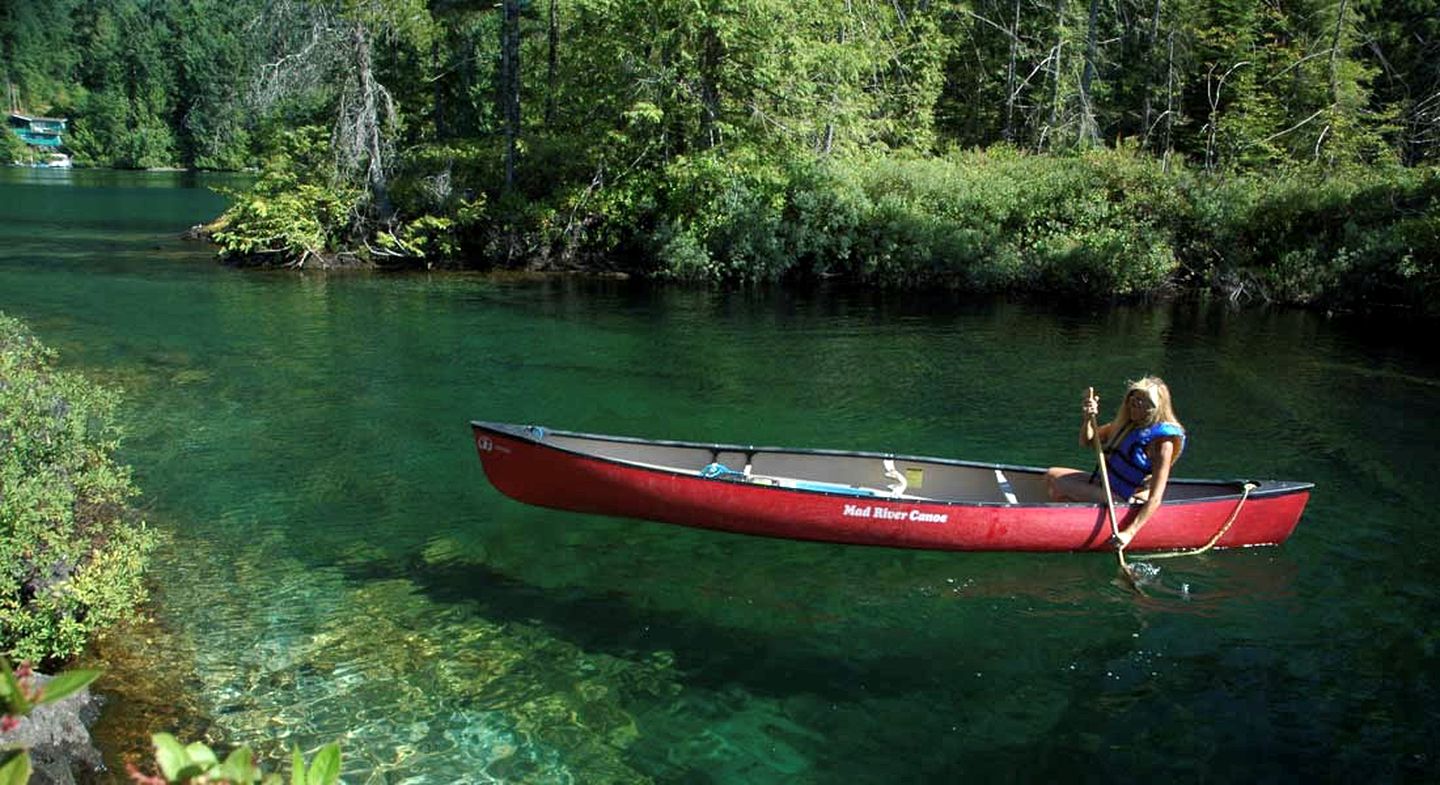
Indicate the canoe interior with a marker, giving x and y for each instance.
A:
(850, 473)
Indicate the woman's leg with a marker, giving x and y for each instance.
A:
(1072, 485)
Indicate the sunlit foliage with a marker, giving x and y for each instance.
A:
(71, 552)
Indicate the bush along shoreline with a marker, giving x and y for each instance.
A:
(1106, 223)
(72, 552)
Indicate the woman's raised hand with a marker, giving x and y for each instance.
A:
(1090, 406)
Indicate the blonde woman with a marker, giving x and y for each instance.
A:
(1142, 443)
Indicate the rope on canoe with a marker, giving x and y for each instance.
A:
(1245, 494)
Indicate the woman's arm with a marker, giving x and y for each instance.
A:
(1162, 455)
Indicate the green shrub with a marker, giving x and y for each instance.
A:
(71, 558)
(432, 177)
(1100, 223)
(285, 221)
(292, 214)
(721, 218)
(1001, 219)
(12, 149)
(986, 221)
(1346, 237)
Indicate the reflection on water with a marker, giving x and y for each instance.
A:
(337, 567)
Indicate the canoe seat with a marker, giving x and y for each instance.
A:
(1006, 489)
(898, 482)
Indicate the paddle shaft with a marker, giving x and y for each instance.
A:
(1105, 478)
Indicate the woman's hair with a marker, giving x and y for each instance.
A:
(1154, 388)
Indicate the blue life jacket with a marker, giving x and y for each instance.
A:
(1129, 463)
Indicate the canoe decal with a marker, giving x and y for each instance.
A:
(876, 512)
(486, 444)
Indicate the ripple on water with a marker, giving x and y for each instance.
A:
(414, 691)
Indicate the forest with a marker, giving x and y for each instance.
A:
(1268, 149)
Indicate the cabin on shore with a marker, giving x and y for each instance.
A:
(37, 131)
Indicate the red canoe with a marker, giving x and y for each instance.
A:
(857, 497)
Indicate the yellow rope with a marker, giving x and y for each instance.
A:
(1245, 494)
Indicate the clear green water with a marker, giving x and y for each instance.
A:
(339, 569)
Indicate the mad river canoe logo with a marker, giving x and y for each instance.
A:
(878, 513)
(484, 444)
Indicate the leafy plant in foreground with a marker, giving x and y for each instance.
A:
(184, 764)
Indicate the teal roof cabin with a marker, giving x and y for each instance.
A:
(37, 131)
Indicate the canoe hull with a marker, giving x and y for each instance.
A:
(531, 471)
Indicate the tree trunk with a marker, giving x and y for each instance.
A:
(437, 92)
(510, 85)
(369, 125)
(1089, 128)
(1147, 109)
(1334, 77)
(1169, 100)
(1009, 132)
(1335, 52)
(1055, 56)
(827, 138)
(712, 52)
(552, 67)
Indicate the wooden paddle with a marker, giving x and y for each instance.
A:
(1105, 483)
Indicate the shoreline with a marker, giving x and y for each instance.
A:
(141, 694)
(1177, 292)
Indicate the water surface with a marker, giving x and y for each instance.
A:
(337, 567)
